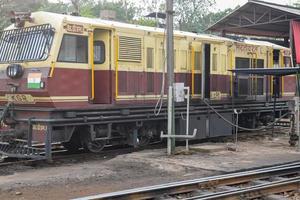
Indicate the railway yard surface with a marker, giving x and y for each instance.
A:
(89, 174)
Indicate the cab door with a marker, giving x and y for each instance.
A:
(102, 66)
(206, 71)
(196, 68)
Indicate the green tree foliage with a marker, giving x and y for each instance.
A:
(125, 11)
(146, 22)
(59, 7)
(211, 18)
(91, 8)
(154, 6)
(296, 4)
(85, 7)
(188, 13)
(6, 6)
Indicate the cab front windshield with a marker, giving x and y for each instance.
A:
(26, 44)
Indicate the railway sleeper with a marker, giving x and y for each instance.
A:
(275, 197)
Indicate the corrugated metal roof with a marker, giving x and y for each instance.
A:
(289, 9)
(253, 19)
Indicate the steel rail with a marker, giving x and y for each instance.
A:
(251, 192)
(197, 184)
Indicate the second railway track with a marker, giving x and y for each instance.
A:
(253, 184)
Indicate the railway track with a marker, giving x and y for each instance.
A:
(265, 182)
(62, 155)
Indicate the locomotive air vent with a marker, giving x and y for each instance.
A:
(130, 49)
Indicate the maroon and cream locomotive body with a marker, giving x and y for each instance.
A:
(89, 82)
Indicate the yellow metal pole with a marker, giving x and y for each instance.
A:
(52, 66)
(256, 81)
(282, 65)
(116, 41)
(272, 66)
(92, 64)
(193, 70)
(231, 74)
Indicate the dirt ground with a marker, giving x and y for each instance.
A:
(142, 168)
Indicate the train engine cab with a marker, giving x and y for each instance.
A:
(49, 63)
(40, 57)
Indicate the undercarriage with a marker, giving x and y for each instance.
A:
(31, 133)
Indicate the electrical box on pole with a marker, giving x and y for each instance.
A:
(182, 93)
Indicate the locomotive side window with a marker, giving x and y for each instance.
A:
(150, 56)
(175, 59)
(162, 59)
(73, 49)
(26, 44)
(99, 52)
(287, 61)
(198, 60)
(214, 62)
(260, 79)
(224, 63)
(243, 81)
(183, 60)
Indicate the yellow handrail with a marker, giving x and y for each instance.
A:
(272, 66)
(256, 78)
(231, 68)
(92, 64)
(193, 70)
(116, 41)
(282, 78)
(52, 66)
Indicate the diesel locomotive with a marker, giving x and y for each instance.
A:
(86, 83)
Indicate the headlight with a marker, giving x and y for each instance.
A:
(14, 71)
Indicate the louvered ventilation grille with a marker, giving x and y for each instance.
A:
(130, 49)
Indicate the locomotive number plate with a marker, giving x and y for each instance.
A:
(20, 98)
(74, 28)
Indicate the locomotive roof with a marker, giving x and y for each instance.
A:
(56, 20)
(114, 24)
(265, 43)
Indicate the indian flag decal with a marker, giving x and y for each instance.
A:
(34, 80)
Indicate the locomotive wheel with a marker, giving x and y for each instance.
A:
(94, 146)
(143, 140)
(144, 137)
(89, 145)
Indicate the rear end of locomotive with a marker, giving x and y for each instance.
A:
(262, 89)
